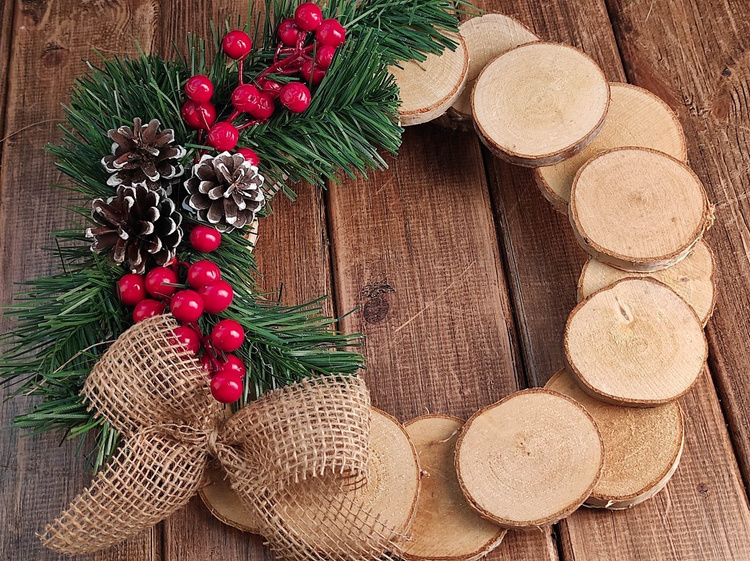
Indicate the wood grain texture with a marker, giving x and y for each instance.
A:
(544, 261)
(49, 40)
(7, 11)
(694, 53)
(415, 247)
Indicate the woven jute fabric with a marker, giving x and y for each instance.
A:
(296, 456)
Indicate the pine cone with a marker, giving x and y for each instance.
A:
(226, 191)
(138, 226)
(144, 156)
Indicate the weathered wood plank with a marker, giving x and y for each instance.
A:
(7, 11)
(694, 53)
(415, 246)
(49, 40)
(690, 520)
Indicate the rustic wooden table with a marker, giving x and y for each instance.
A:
(465, 273)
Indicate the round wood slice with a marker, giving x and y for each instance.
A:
(638, 209)
(539, 103)
(486, 37)
(445, 527)
(642, 446)
(635, 343)
(224, 503)
(530, 459)
(636, 117)
(693, 278)
(392, 488)
(427, 89)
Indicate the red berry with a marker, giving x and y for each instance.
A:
(237, 44)
(234, 365)
(208, 364)
(199, 88)
(223, 136)
(226, 387)
(204, 238)
(198, 115)
(186, 305)
(227, 335)
(288, 32)
(188, 338)
(270, 87)
(330, 32)
(158, 280)
(308, 16)
(295, 96)
(324, 56)
(249, 155)
(131, 288)
(147, 308)
(203, 272)
(265, 107)
(245, 97)
(310, 71)
(216, 296)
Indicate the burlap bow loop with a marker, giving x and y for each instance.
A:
(290, 455)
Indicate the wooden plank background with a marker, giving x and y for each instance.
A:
(463, 273)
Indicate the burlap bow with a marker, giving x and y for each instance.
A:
(292, 456)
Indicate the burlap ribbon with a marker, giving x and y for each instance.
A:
(293, 456)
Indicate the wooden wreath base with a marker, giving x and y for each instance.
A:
(635, 343)
(636, 117)
(224, 503)
(427, 89)
(638, 209)
(539, 103)
(642, 446)
(530, 459)
(693, 279)
(445, 527)
(486, 37)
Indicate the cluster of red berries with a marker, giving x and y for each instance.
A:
(258, 100)
(207, 292)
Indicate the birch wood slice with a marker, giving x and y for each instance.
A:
(636, 117)
(539, 103)
(635, 343)
(391, 491)
(642, 446)
(530, 459)
(486, 37)
(693, 279)
(638, 209)
(224, 504)
(445, 527)
(427, 89)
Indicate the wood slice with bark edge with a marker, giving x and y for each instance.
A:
(642, 446)
(638, 209)
(693, 279)
(530, 459)
(636, 117)
(392, 489)
(221, 500)
(531, 113)
(427, 89)
(445, 527)
(486, 37)
(635, 343)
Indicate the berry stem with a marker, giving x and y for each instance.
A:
(240, 69)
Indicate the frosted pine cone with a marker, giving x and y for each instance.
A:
(138, 226)
(226, 191)
(144, 156)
